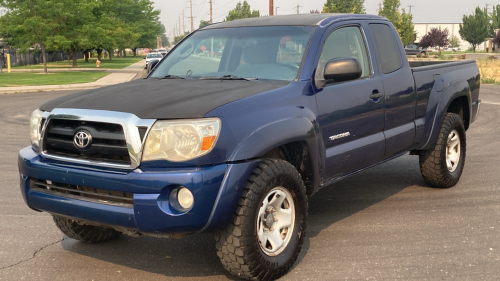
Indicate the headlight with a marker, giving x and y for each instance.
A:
(184, 140)
(35, 127)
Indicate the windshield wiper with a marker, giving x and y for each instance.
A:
(229, 77)
(171, 77)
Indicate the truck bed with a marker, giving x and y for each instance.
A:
(426, 65)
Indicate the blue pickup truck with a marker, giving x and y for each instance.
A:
(234, 142)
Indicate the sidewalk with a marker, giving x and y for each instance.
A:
(116, 77)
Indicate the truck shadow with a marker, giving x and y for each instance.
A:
(194, 256)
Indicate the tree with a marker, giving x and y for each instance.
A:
(406, 29)
(242, 11)
(495, 20)
(204, 23)
(474, 28)
(29, 22)
(164, 39)
(344, 6)
(75, 25)
(402, 21)
(454, 41)
(177, 39)
(142, 20)
(435, 38)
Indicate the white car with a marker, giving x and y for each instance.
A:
(152, 56)
(163, 52)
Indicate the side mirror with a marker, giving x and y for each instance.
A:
(342, 69)
(152, 65)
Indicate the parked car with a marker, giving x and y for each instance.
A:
(236, 146)
(150, 57)
(414, 50)
(163, 52)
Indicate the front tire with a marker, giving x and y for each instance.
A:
(442, 165)
(268, 228)
(85, 233)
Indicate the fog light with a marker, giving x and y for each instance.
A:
(181, 199)
(185, 198)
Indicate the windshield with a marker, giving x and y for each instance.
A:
(154, 56)
(265, 53)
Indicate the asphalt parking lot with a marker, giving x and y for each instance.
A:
(382, 224)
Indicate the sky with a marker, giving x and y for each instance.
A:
(422, 10)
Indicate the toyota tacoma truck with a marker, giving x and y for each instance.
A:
(237, 126)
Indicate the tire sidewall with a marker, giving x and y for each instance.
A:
(287, 256)
(459, 127)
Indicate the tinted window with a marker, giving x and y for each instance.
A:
(346, 42)
(387, 48)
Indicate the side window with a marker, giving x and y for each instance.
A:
(387, 48)
(346, 42)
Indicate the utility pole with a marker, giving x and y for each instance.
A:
(180, 25)
(191, 17)
(183, 24)
(410, 8)
(211, 11)
(298, 9)
(271, 7)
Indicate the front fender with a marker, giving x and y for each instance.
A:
(275, 134)
(436, 110)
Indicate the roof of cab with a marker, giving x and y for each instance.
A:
(294, 20)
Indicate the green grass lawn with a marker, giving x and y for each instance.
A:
(55, 78)
(116, 63)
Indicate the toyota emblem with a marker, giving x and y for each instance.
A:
(82, 139)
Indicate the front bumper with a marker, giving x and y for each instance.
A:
(216, 190)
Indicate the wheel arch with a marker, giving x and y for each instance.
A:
(455, 95)
(293, 140)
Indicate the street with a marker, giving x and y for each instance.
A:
(381, 224)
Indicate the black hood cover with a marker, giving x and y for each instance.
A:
(164, 99)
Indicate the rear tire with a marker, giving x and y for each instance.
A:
(85, 233)
(268, 228)
(442, 165)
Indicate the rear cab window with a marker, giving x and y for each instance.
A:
(386, 47)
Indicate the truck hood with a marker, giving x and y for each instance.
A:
(164, 99)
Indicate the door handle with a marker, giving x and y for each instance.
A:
(376, 95)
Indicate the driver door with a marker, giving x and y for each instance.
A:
(351, 113)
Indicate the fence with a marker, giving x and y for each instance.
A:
(32, 57)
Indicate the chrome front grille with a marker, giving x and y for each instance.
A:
(108, 141)
(101, 196)
(116, 138)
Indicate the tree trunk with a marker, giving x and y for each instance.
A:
(68, 55)
(124, 53)
(44, 58)
(75, 63)
(111, 54)
(99, 54)
(135, 51)
(86, 55)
